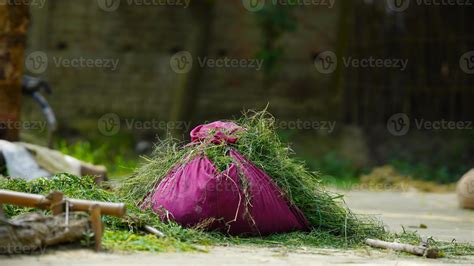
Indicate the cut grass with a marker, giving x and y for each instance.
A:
(125, 234)
(85, 188)
(259, 142)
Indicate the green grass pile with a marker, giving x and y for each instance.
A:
(121, 233)
(260, 143)
(126, 233)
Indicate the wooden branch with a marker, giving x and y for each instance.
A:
(425, 251)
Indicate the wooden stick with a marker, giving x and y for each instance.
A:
(56, 199)
(415, 250)
(96, 223)
(41, 202)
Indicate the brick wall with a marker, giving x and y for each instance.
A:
(143, 39)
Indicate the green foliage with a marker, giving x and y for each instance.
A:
(83, 151)
(334, 169)
(109, 154)
(423, 171)
(275, 20)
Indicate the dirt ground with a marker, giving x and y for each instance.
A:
(438, 212)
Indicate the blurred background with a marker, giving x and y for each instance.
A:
(355, 85)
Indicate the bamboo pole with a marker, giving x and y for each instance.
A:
(96, 223)
(42, 202)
